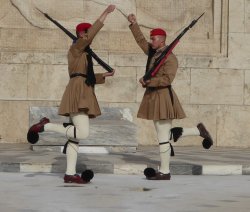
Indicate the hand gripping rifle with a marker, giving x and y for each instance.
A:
(162, 58)
(74, 38)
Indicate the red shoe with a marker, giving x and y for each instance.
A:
(208, 141)
(74, 179)
(160, 176)
(32, 135)
(39, 127)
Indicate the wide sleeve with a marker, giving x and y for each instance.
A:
(139, 37)
(166, 73)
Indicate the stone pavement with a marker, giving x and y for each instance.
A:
(187, 160)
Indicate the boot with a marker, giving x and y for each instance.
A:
(160, 176)
(74, 179)
(208, 141)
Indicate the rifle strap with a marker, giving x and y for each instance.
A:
(151, 53)
(91, 80)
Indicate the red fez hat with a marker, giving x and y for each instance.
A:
(158, 31)
(82, 27)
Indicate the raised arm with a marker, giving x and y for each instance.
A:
(139, 37)
(108, 10)
(85, 39)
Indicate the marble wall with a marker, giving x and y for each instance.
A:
(213, 81)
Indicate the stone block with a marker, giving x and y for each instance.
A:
(129, 168)
(13, 80)
(237, 16)
(117, 89)
(177, 168)
(101, 41)
(211, 62)
(140, 71)
(247, 88)
(247, 17)
(222, 170)
(60, 58)
(28, 11)
(182, 85)
(238, 48)
(15, 114)
(9, 167)
(31, 167)
(245, 170)
(118, 59)
(232, 125)
(123, 41)
(217, 86)
(23, 39)
(11, 16)
(27, 58)
(47, 82)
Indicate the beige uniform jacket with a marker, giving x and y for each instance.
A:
(157, 104)
(78, 96)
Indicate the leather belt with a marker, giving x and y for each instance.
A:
(169, 87)
(78, 75)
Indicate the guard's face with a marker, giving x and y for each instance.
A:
(81, 34)
(157, 41)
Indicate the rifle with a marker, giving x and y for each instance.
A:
(74, 38)
(162, 58)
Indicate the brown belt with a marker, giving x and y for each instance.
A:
(78, 75)
(169, 87)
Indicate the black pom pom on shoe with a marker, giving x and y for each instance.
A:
(149, 172)
(206, 143)
(176, 133)
(32, 137)
(87, 175)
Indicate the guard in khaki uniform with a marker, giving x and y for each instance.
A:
(160, 103)
(79, 101)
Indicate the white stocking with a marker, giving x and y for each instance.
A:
(190, 131)
(163, 133)
(71, 152)
(80, 130)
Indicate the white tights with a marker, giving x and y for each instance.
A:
(163, 128)
(81, 127)
(80, 130)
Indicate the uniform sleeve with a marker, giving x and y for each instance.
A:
(139, 37)
(166, 73)
(82, 43)
(99, 78)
